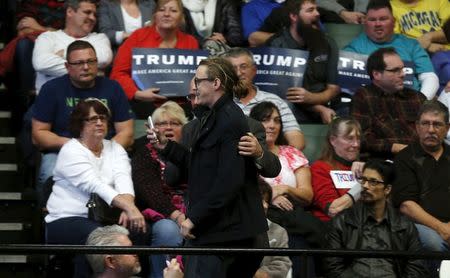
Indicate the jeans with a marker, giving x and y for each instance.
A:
(432, 241)
(165, 232)
(48, 162)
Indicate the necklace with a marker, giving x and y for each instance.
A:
(95, 152)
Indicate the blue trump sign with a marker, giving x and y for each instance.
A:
(170, 70)
(279, 69)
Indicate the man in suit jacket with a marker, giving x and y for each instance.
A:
(224, 205)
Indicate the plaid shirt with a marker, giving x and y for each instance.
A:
(48, 13)
(386, 118)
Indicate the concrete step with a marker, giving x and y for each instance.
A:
(8, 150)
(11, 178)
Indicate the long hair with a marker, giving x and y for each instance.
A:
(223, 70)
(339, 126)
(264, 110)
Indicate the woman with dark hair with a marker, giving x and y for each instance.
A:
(164, 32)
(294, 181)
(340, 153)
(89, 164)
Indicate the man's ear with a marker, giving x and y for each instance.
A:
(293, 18)
(217, 83)
(388, 189)
(376, 74)
(109, 262)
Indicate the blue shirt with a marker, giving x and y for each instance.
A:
(254, 13)
(58, 97)
(408, 49)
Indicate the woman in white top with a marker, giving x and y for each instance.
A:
(119, 18)
(89, 164)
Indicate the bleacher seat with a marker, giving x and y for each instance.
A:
(315, 139)
(343, 33)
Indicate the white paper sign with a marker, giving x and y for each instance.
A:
(343, 179)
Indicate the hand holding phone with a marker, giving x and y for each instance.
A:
(151, 134)
(150, 122)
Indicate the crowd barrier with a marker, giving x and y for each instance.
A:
(26, 249)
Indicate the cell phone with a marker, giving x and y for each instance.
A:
(150, 122)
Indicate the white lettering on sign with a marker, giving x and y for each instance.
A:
(278, 60)
(154, 59)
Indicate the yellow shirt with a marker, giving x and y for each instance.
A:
(423, 17)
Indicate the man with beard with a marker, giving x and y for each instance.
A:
(385, 108)
(379, 32)
(423, 177)
(112, 265)
(310, 102)
(373, 224)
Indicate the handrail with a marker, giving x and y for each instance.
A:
(83, 249)
(302, 253)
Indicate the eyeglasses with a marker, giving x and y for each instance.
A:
(371, 182)
(197, 81)
(80, 64)
(435, 125)
(94, 119)
(398, 70)
(167, 124)
(243, 67)
(191, 97)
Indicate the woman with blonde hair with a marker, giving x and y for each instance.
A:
(164, 32)
(159, 194)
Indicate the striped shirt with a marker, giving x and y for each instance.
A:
(287, 117)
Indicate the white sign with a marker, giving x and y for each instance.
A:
(343, 179)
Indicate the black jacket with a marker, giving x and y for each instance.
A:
(269, 164)
(346, 232)
(224, 202)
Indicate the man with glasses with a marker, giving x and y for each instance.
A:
(59, 96)
(421, 189)
(386, 109)
(242, 60)
(379, 32)
(373, 224)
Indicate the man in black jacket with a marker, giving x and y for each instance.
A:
(374, 224)
(224, 207)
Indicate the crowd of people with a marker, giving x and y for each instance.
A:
(225, 166)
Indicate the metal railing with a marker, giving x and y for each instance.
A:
(25, 249)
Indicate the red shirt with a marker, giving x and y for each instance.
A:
(323, 187)
(146, 37)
